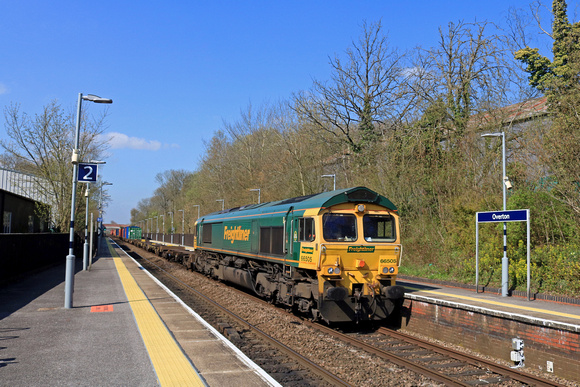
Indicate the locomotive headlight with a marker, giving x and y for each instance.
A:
(332, 270)
(361, 208)
(391, 270)
(386, 270)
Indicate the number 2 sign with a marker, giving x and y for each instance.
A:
(87, 173)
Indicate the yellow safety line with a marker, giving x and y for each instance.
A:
(498, 303)
(171, 365)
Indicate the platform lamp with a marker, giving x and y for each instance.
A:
(505, 185)
(70, 258)
(171, 212)
(163, 227)
(259, 193)
(86, 246)
(182, 226)
(100, 226)
(198, 211)
(157, 228)
(333, 180)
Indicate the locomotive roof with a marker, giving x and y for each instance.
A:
(321, 200)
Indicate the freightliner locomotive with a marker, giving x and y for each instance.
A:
(333, 255)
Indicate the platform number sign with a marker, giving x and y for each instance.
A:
(87, 173)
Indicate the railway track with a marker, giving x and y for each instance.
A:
(439, 363)
(284, 364)
(479, 364)
(435, 362)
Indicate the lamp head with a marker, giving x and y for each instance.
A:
(96, 99)
(496, 134)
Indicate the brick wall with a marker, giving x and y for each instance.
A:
(492, 336)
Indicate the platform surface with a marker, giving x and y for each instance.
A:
(540, 312)
(124, 329)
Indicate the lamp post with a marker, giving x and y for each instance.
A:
(333, 180)
(157, 229)
(259, 193)
(100, 226)
(70, 258)
(223, 201)
(163, 227)
(182, 226)
(505, 185)
(170, 212)
(91, 243)
(86, 246)
(198, 207)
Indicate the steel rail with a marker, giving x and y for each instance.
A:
(471, 359)
(302, 360)
(400, 361)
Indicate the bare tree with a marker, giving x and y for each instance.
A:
(42, 146)
(300, 154)
(365, 94)
(250, 143)
(470, 71)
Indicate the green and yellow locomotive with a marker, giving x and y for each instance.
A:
(334, 254)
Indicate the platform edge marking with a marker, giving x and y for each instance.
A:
(171, 365)
(241, 356)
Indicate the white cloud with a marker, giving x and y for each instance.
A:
(414, 72)
(3, 89)
(121, 141)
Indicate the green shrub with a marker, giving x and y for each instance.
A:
(558, 269)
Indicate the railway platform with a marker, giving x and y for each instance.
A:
(124, 328)
(537, 312)
(539, 334)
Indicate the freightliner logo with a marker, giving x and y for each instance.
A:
(361, 249)
(236, 234)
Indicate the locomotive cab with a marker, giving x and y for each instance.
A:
(358, 259)
(356, 252)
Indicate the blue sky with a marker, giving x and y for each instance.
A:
(176, 70)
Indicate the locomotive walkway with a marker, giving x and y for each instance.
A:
(124, 329)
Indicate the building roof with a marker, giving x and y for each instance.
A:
(513, 114)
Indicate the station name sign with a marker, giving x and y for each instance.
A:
(503, 216)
